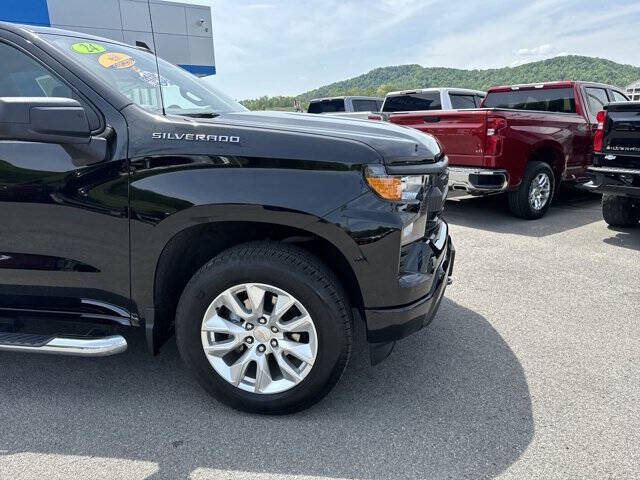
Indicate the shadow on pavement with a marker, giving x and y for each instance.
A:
(624, 237)
(452, 401)
(571, 209)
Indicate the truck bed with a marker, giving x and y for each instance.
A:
(516, 136)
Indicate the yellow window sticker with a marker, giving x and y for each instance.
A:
(87, 47)
(116, 60)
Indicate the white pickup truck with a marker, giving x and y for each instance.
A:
(347, 106)
(432, 99)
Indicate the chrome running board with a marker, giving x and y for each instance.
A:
(75, 346)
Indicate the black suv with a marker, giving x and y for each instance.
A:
(134, 196)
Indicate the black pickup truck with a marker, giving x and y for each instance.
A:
(133, 196)
(616, 163)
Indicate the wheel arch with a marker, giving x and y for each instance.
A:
(192, 247)
(551, 153)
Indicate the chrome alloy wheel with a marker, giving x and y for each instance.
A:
(259, 338)
(540, 191)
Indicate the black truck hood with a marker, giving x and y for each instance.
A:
(291, 136)
(394, 144)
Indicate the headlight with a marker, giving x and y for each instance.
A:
(414, 231)
(394, 187)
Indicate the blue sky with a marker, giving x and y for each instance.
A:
(290, 46)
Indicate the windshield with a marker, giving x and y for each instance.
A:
(134, 73)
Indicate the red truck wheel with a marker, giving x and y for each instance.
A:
(532, 199)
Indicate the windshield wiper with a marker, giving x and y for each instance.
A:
(200, 115)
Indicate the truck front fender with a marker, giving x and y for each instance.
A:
(167, 200)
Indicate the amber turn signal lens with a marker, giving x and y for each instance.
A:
(387, 187)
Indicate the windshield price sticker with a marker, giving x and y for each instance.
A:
(151, 78)
(116, 60)
(87, 47)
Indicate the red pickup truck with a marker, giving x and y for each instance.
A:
(524, 140)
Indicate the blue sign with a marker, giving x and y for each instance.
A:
(32, 12)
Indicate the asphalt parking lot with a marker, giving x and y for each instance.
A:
(529, 371)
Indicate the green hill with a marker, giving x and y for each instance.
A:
(382, 80)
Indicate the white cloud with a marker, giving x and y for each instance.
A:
(540, 50)
(537, 57)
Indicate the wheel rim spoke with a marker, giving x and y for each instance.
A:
(256, 299)
(282, 306)
(263, 375)
(302, 351)
(288, 371)
(238, 370)
(301, 324)
(229, 300)
(217, 324)
(221, 348)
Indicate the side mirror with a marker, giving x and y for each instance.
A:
(44, 119)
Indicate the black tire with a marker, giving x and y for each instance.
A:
(519, 199)
(289, 268)
(620, 211)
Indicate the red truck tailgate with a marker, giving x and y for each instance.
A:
(462, 133)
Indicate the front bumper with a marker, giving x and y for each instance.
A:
(614, 181)
(477, 181)
(386, 325)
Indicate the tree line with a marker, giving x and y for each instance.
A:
(380, 81)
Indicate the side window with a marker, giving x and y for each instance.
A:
(597, 99)
(22, 76)
(618, 97)
(462, 101)
(365, 106)
(479, 99)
